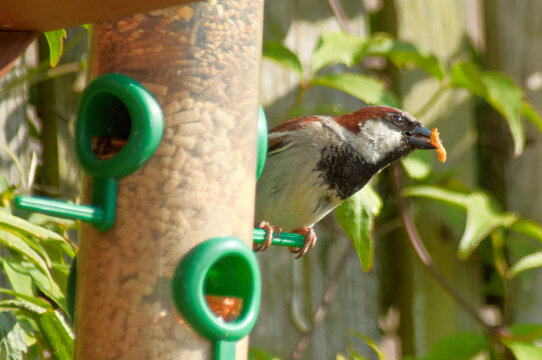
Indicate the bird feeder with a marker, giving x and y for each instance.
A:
(178, 225)
(201, 63)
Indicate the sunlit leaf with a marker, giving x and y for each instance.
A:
(507, 98)
(372, 343)
(18, 278)
(531, 261)
(18, 244)
(58, 335)
(32, 299)
(55, 39)
(366, 89)
(402, 53)
(460, 346)
(283, 56)
(523, 350)
(529, 113)
(528, 228)
(483, 217)
(356, 217)
(468, 75)
(28, 227)
(49, 288)
(341, 47)
(12, 345)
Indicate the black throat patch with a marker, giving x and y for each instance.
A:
(343, 170)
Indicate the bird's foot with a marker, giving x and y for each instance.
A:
(269, 230)
(310, 241)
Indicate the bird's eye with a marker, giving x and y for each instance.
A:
(398, 119)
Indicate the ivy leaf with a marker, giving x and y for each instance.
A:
(283, 56)
(366, 89)
(55, 39)
(507, 98)
(467, 75)
(460, 346)
(356, 217)
(523, 350)
(531, 261)
(403, 53)
(342, 48)
(528, 228)
(501, 93)
(529, 113)
(483, 216)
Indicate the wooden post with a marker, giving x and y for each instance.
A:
(201, 62)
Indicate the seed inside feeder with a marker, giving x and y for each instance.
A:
(106, 147)
(226, 307)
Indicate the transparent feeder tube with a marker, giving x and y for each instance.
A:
(201, 62)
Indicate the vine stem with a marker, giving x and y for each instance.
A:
(337, 10)
(326, 301)
(423, 254)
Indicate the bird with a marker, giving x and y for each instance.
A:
(315, 162)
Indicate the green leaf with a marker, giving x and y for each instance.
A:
(341, 47)
(372, 343)
(501, 93)
(32, 299)
(283, 56)
(467, 75)
(47, 286)
(27, 306)
(28, 227)
(58, 334)
(460, 346)
(507, 98)
(12, 345)
(531, 261)
(528, 228)
(18, 278)
(19, 244)
(417, 165)
(366, 89)
(483, 217)
(526, 331)
(259, 354)
(402, 53)
(437, 193)
(523, 350)
(529, 113)
(55, 39)
(356, 217)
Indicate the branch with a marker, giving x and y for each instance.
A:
(339, 15)
(423, 254)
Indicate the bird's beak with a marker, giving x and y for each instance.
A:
(420, 138)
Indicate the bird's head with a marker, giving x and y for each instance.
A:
(382, 134)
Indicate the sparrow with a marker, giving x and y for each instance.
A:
(315, 162)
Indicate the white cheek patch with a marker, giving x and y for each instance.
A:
(377, 140)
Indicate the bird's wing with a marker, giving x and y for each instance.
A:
(279, 139)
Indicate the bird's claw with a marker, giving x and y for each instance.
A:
(269, 230)
(310, 241)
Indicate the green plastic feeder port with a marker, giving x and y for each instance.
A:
(113, 106)
(220, 267)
